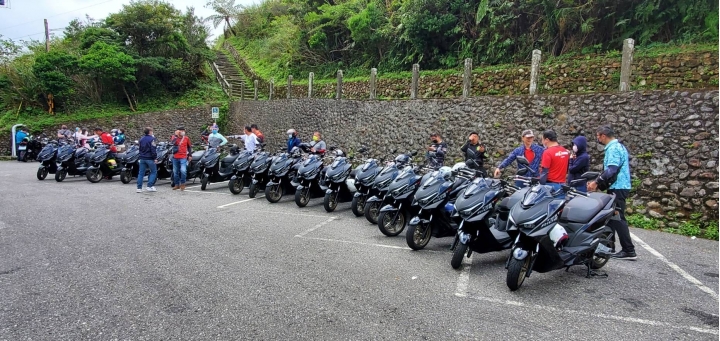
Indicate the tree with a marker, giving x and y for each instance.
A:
(53, 70)
(226, 10)
(108, 62)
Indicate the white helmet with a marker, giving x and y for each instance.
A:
(458, 166)
(291, 131)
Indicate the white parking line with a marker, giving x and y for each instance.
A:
(302, 234)
(208, 185)
(464, 278)
(238, 202)
(569, 312)
(367, 244)
(206, 192)
(674, 266)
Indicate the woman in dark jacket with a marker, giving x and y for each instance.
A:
(579, 162)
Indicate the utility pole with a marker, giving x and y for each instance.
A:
(47, 37)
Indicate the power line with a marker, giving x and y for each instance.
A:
(52, 16)
(34, 34)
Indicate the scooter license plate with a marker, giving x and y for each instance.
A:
(22, 148)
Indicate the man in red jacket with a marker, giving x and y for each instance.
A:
(181, 157)
(106, 139)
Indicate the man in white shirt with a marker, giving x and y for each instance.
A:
(250, 140)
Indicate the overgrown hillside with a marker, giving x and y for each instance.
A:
(148, 56)
(281, 37)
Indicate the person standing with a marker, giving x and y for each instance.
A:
(436, 151)
(616, 179)
(182, 149)
(258, 133)
(531, 151)
(19, 136)
(293, 140)
(474, 150)
(554, 162)
(579, 162)
(148, 154)
(317, 144)
(64, 134)
(215, 139)
(249, 139)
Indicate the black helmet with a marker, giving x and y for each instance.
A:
(402, 159)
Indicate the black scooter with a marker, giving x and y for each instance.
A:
(436, 197)
(556, 233)
(47, 157)
(102, 165)
(30, 147)
(337, 185)
(364, 176)
(130, 163)
(282, 172)
(397, 203)
(217, 169)
(163, 161)
(241, 171)
(259, 173)
(71, 161)
(380, 187)
(310, 177)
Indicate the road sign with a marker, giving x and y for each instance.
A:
(215, 112)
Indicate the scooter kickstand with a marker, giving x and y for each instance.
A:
(591, 273)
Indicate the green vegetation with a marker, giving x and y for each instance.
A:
(281, 37)
(548, 111)
(693, 227)
(148, 56)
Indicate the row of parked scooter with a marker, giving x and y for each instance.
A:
(544, 230)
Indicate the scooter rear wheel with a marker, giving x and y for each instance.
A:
(358, 205)
(42, 173)
(387, 227)
(236, 186)
(418, 236)
(458, 255)
(517, 269)
(598, 262)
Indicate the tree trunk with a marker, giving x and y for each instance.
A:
(227, 20)
(128, 98)
(51, 104)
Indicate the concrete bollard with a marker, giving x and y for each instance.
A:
(535, 71)
(626, 68)
(415, 80)
(289, 88)
(338, 91)
(272, 88)
(373, 83)
(467, 78)
(242, 91)
(311, 77)
(255, 82)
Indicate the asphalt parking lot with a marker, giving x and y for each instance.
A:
(82, 261)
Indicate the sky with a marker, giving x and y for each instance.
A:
(23, 19)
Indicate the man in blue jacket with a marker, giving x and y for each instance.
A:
(293, 140)
(148, 154)
(532, 152)
(579, 162)
(19, 136)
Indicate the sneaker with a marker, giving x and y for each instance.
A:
(151, 189)
(623, 255)
(139, 190)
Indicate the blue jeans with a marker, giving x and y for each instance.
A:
(179, 171)
(145, 165)
(556, 187)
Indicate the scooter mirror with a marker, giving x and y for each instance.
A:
(590, 175)
(522, 160)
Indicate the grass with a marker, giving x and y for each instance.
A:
(693, 227)
(206, 92)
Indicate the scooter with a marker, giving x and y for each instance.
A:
(282, 172)
(310, 176)
(364, 176)
(381, 184)
(130, 163)
(47, 157)
(259, 173)
(436, 197)
(102, 165)
(216, 169)
(558, 233)
(71, 161)
(241, 171)
(338, 185)
(30, 148)
(163, 161)
(396, 204)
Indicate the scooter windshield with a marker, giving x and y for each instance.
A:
(535, 195)
(368, 164)
(339, 161)
(388, 168)
(477, 185)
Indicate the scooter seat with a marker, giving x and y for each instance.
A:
(582, 209)
(229, 159)
(458, 183)
(604, 198)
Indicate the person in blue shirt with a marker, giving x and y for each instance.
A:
(215, 139)
(148, 154)
(616, 162)
(579, 162)
(293, 140)
(531, 151)
(19, 136)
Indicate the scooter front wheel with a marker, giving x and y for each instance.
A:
(237, 185)
(517, 269)
(253, 189)
(94, 175)
(204, 182)
(418, 236)
(60, 174)
(126, 176)
(330, 202)
(372, 210)
(388, 227)
(358, 205)
(302, 197)
(458, 255)
(273, 193)
(42, 173)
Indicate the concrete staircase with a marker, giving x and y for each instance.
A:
(234, 77)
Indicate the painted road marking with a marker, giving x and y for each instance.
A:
(367, 244)
(302, 234)
(674, 266)
(206, 192)
(566, 312)
(464, 277)
(208, 185)
(238, 202)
